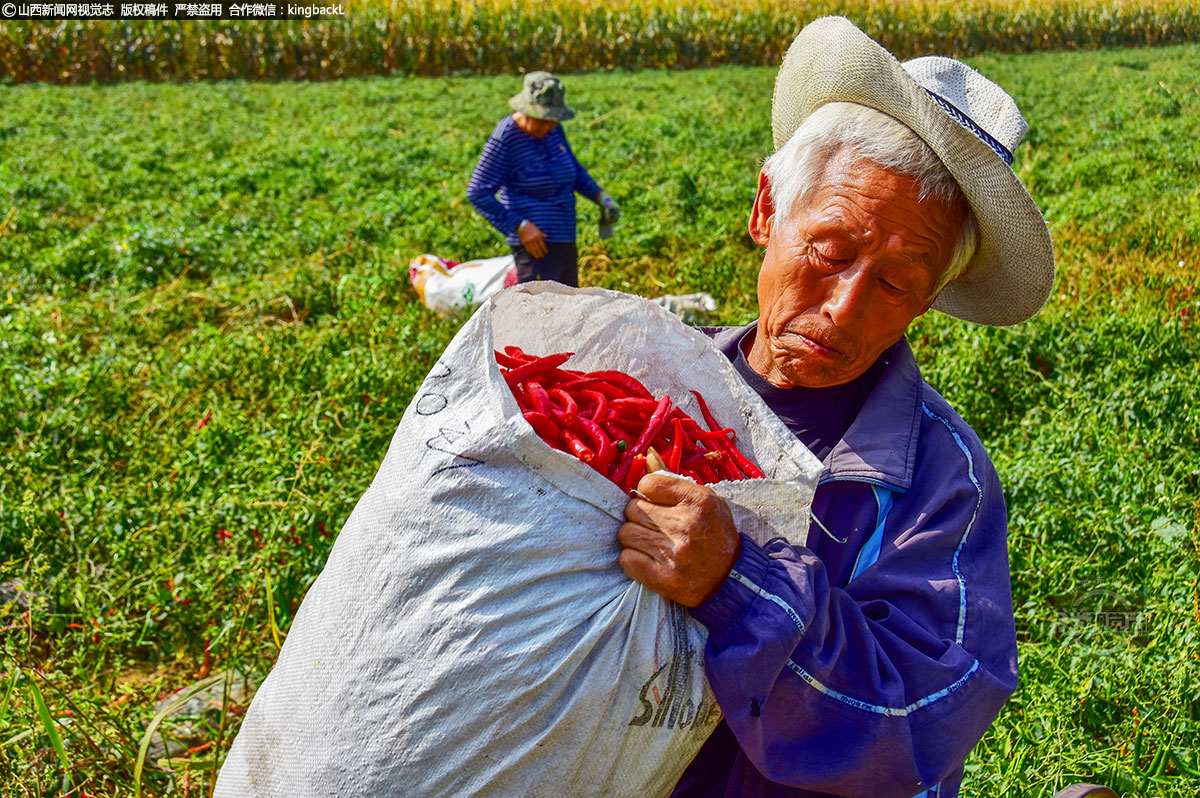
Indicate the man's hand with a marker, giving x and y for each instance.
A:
(533, 239)
(682, 542)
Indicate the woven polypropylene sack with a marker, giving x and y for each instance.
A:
(472, 633)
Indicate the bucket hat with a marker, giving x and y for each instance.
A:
(542, 98)
(972, 125)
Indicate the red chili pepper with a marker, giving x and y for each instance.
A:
(605, 451)
(517, 353)
(622, 441)
(601, 404)
(587, 404)
(637, 470)
(576, 446)
(508, 361)
(676, 454)
(570, 410)
(543, 425)
(595, 383)
(609, 420)
(535, 367)
(541, 400)
(698, 433)
(632, 427)
(522, 394)
(629, 415)
(708, 416)
(563, 376)
(643, 442)
(555, 378)
(634, 404)
(743, 462)
(692, 460)
(723, 464)
(623, 380)
(654, 425)
(728, 462)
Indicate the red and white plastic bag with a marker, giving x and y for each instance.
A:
(447, 287)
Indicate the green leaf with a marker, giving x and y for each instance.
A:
(51, 731)
(1170, 531)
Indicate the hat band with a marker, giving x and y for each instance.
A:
(970, 125)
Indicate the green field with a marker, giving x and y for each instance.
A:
(207, 338)
(441, 37)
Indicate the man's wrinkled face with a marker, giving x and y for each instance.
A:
(846, 273)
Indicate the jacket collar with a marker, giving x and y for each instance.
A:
(881, 443)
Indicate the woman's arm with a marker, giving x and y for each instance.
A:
(490, 174)
(584, 184)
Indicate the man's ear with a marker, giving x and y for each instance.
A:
(762, 215)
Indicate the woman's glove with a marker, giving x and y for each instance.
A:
(610, 211)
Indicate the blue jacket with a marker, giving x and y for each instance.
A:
(871, 661)
(536, 180)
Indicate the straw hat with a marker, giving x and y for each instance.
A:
(541, 97)
(973, 126)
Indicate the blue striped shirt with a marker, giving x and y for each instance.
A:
(536, 179)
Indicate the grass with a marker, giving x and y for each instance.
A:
(438, 37)
(208, 338)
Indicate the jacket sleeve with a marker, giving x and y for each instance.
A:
(490, 174)
(883, 687)
(584, 184)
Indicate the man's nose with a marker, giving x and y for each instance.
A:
(845, 300)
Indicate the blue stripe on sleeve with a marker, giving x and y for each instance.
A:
(816, 684)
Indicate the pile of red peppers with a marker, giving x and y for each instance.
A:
(611, 422)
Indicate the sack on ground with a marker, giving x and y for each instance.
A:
(472, 633)
(447, 287)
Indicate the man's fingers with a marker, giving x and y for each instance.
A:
(669, 491)
(639, 567)
(639, 511)
(647, 540)
(682, 551)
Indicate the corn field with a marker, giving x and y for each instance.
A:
(438, 37)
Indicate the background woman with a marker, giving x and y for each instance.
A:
(526, 180)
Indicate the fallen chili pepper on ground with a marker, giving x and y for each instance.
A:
(609, 420)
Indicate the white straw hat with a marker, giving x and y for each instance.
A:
(970, 123)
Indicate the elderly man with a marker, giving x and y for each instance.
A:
(869, 661)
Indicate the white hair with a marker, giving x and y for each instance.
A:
(796, 170)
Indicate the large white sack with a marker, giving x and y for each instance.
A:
(472, 633)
